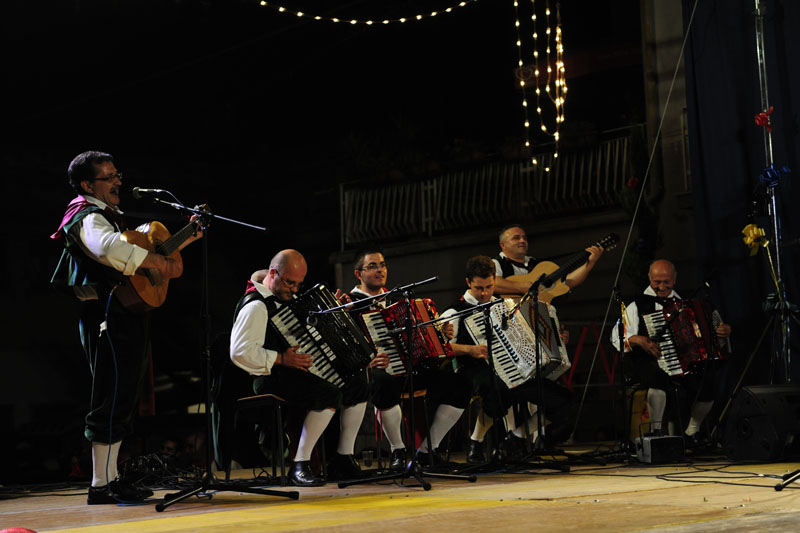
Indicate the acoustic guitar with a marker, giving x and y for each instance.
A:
(147, 288)
(553, 283)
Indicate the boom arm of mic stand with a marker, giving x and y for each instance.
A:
(205, 215)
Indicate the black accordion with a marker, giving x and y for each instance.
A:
(335, 341)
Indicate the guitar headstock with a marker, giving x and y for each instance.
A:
(609, 242)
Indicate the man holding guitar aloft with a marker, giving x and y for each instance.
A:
(96, 261)
(514, 261)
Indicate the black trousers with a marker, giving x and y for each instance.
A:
(557, 402)
(700, 384)
(309, 391)
(444, 387)
(119, 361)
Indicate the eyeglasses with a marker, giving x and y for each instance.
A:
(117, 175)
(374, 266)
(290, 284)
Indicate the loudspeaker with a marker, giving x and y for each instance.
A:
(763, 423)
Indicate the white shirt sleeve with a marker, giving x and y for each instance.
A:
(102, 241)
(247, 340)
(498, 270)
(632, 325)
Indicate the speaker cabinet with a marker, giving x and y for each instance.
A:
(763, 423)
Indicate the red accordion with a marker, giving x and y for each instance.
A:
(424, 348)
(685, 332)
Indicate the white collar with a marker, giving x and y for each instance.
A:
(258, 278)
(527, 258)
(650, 292)
(469, 298)
(99, 203)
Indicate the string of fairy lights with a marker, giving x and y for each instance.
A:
(549, 87)
(552, 82)
(366, 22)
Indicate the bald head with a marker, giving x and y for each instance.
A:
(663, 276)
(287, 270)
(287, 258)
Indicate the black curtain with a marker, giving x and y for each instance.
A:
(728, 157)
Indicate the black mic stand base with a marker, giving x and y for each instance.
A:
(413, 470)
(208, 484)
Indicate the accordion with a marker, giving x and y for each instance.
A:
(337, 345)
(685, 332)
(514, 346)
(424, 348)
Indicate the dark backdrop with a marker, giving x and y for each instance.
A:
(728, 156)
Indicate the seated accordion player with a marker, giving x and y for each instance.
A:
(513, 344)
(335, 341)
(424, 347)
(685, 332)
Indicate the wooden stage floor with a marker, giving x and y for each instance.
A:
(702, 496)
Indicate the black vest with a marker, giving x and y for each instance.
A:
(273, 340)
(76, 272)
(507, 266)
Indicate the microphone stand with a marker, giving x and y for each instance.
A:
(209, 482)
(413, 468)
(624, 444)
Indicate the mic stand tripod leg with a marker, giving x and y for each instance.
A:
(787, 479)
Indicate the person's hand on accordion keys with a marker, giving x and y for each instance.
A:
(645, 343)
(381, 360)
(479, 351)
(293, 359)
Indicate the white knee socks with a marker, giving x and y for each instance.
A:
(656, 404)
(313, 426)
(392, 422)
(445, 418)
(350, 419)
(104, 463)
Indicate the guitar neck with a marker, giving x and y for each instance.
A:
(572, 264)
(174, 242)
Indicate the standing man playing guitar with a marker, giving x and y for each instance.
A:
(95, 262)
(514, 260)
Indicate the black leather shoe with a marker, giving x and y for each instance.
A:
(425, 458)
(513, 447)
(475, 453)
(399, 460)
(342, 467)
(117, 491)
(302, 476)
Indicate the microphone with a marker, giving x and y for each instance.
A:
(504, 321)
(139, 193)
(311, 320)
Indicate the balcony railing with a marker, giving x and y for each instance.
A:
(580, 180)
